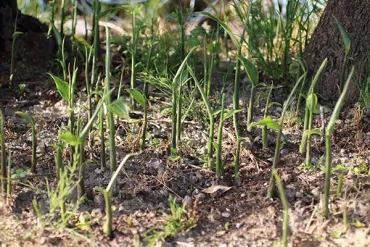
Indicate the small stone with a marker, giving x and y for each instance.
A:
(298, 194)
(200, 197)
(226, 214)
(187, 201)
(284, 151)
(238, 225)
(316, 192)
(258, 139)
(195, 192)
(98, 171)
(121, 207)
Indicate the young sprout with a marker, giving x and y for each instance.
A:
(271, 189)
(108, 226)
(328, 133)
(284, 201)
(310, 110)
(34, 139)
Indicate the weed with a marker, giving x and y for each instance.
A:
(178, 221)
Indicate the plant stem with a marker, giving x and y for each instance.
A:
(328, 134)
(219, 164)
(3, 154)
(108, 225)
(250, 110)
(271, 188)
(284, 201)
(34, 143)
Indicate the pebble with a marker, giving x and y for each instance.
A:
(298, 194)
(238, 225)
(187, 201)
(200, 197)
(316, 192)
(226, 214)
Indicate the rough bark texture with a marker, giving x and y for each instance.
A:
(326, 42)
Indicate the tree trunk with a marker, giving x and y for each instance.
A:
(326, 42)
(8, 13)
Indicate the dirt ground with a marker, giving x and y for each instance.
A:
(240, 216)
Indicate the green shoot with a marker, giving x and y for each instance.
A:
(284, 201)
(34, 138)
(2, 153)
(271, 189)
(328, 133)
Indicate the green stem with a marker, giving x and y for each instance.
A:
(284, 201)
(250, 110)
(328, 134)
(102, 140)
(3, 154)
(108, 225)
(219, 165)
(271, 192)
(34, 143)
(210, 144)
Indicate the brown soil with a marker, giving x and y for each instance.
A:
(241, 216)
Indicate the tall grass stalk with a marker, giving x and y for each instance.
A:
(328, 133)
(175, 88)
(9, 179)
(211, 121)
(146, 97)
(272, 189)
(102, 139)
(3, 154)
(135, 40)
(219, 164)
(111, 126)
(14, 53)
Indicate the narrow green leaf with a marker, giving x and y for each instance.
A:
(57, 35)
(273, 103)
(137, 96)
(251, 70)
(25, 117)
(230, 113)
(119, 108)
(62, 87)
(346, 39)
(313, 132)
(224, 26)
(16, 35)
(82, 41)
(70, 138)
(268, 122)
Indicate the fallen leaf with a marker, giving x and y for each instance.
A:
(216, 188)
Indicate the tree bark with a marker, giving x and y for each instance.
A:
(326, 42)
